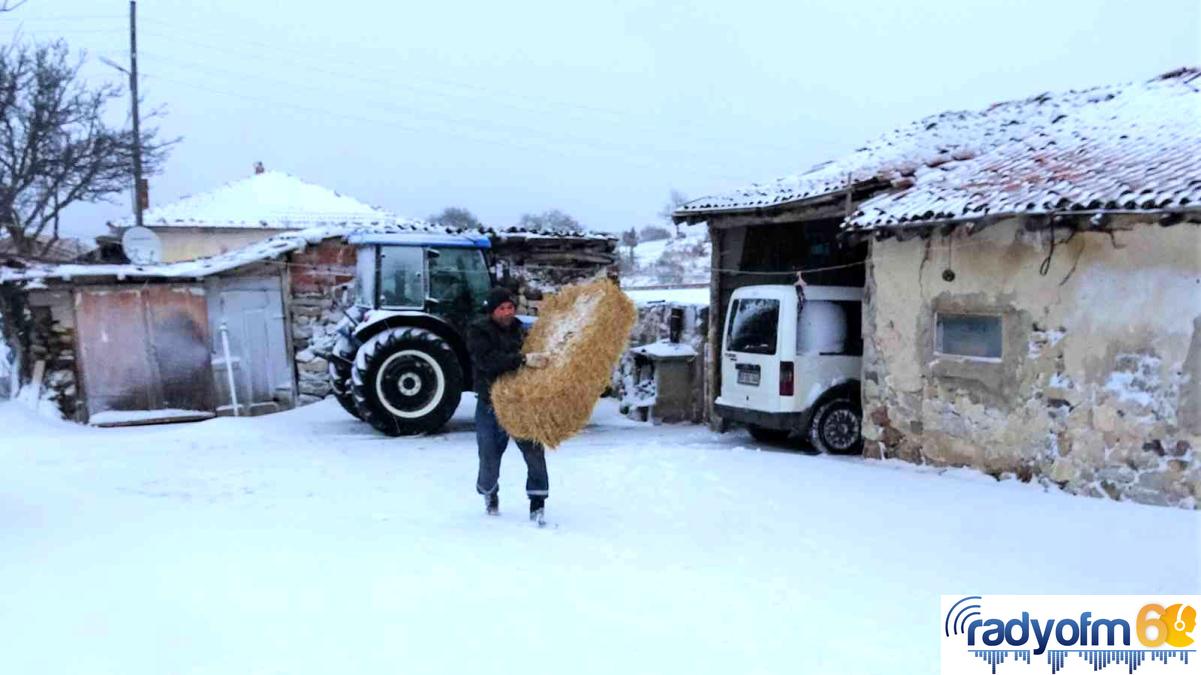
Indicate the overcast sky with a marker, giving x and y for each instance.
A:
(596, 108)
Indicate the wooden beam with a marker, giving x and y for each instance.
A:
(797, 216)
(713, 352)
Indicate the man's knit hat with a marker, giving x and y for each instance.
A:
(497, 297)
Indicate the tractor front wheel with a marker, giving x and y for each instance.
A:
(341, 358)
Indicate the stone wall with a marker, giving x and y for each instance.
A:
(318, 276)
(1098, 389)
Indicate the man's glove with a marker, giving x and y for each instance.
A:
(537, 360)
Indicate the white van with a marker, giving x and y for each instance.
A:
(791, 363)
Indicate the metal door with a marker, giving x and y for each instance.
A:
(144, 349)
(248, 314)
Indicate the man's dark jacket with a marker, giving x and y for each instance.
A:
(494, 351)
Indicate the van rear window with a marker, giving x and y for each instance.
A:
(753, 326)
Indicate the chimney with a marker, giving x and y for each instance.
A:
(258, 168)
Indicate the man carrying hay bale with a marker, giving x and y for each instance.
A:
(494, 342)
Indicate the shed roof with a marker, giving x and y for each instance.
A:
(268, 249)
(1124, 147)
(421, 233)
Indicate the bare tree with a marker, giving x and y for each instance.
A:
(629, 239)
(457, 218)
(675, 201)
(553, 220)
(55, 148)
(653, 233)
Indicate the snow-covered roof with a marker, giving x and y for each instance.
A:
(268, 200)
(694, 295)
(268, 249)
(420, 232)
(517, 233)
(1125, 147)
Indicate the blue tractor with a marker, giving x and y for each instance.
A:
(400, 362)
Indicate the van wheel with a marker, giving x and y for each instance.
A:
(837, 427)
(765, 435)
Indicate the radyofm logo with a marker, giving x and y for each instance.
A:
(1068, 633)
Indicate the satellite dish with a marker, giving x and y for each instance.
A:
(142, 246)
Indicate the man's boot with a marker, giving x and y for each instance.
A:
(492, 503)
(538, 510)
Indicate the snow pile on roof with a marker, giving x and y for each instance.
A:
(1134, 146)
(269, 200)
(666, 350)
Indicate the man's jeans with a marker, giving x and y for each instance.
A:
(493, 440)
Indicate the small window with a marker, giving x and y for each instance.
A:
(459, 280)
(401, 276)
(364, 278)
(976, 336)
(754, 323)
(821, 328)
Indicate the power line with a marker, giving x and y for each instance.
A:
(16, 19)
(357, 67)
(439, 118)
(332, 113)
(527, 103)
(558, 148)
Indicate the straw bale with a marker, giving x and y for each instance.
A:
(583, 329)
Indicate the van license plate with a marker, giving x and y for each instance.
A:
(750, 377)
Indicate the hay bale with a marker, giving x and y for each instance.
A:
(583, 329)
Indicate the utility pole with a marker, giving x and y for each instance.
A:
(140, 192)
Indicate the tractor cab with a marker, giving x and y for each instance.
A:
(400, 362)
(442, 275)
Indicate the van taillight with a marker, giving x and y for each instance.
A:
(786, 378)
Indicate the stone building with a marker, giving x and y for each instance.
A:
(1032, 284)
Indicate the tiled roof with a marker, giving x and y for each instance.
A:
(1125, 147)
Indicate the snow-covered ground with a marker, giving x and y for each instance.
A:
(306, 543)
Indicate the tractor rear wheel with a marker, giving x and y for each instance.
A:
(406, 381)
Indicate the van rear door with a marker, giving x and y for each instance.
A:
(750, 368)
